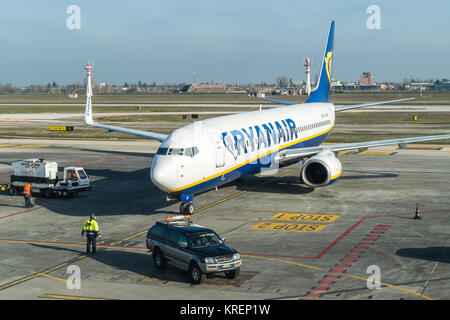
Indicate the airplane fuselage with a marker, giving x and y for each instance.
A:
(212, 152)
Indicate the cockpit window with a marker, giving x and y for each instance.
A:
(162, 151)
(190, 152)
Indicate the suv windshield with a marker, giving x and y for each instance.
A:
(204, 239)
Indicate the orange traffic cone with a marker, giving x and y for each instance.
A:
(417, 216)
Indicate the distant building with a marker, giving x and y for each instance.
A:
(443, 84)
(206, 88)
(366, 79)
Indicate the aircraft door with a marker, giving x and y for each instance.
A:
(219, 150)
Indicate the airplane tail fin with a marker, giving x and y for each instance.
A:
(323, 88)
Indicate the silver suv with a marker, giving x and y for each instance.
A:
(192, 248)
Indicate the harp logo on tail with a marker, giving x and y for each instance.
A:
(328, 63)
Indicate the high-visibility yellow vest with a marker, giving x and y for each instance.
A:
(90, 225)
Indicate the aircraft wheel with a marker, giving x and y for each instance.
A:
(189, 208)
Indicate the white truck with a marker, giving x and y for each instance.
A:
(46, 180)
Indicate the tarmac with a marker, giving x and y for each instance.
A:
(356, 239)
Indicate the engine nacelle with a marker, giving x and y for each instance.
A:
(321, 170)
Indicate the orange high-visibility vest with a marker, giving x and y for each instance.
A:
(27, 190)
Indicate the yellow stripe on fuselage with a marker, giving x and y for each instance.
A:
(251, 160)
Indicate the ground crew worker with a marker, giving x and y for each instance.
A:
(27, 195)
(73, 176)
(91, 229)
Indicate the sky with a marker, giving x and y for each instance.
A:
(233, 42)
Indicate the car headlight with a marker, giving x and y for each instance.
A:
(209, 260)
(236, 256)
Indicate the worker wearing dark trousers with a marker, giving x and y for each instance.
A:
(27, 195)
(91, 229)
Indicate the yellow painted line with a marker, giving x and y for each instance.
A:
(220, 201)
(134, 235)
(30, 277)
(391, 286)
(250, 160)
(310, 217)
(7, 145)
(58, 296)
(72, 245)
(288, 226)
(48, 276)
(347, 275)
(32, 146)
(289, 173)
(239, 193)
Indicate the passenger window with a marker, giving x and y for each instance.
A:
(173, 237)
(182, 239)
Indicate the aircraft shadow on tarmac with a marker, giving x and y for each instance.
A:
(438, 254)
(291, 184)
(113, 193)
(132, 192)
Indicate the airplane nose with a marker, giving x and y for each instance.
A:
(160, 174)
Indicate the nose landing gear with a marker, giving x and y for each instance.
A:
(186, 208)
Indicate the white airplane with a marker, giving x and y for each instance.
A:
(209, 153)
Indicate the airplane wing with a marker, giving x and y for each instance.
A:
(290, 154)
(355, 106)
(343, 108)
(90, 122)
(279, 101)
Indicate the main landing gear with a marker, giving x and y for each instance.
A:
(186, 205)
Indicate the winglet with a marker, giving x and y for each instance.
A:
(88, 111)
(323, 88)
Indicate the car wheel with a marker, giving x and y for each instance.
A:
(159, 260)
(233, 273)
(196, 274)
(12, 191)
(48, 193)
(183, 208)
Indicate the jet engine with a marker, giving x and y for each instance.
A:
(321, 170)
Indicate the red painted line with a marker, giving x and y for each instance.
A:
(373, 235)
(366, 243)
(377, 232)
(361, 247)
(352, 256)
(348, 260)
(357, 251)
(320, 288)
(338, 270)
(327, 282)
(370, 239)
(383, 226)
(17, 213)
(343, 265)
(314, 294)
(332, 276)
